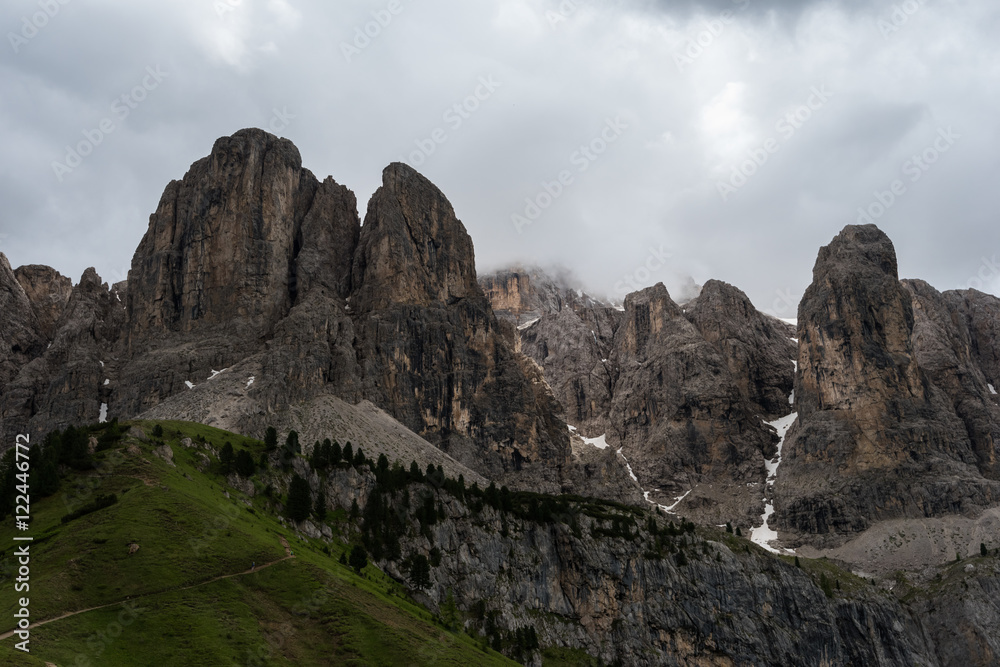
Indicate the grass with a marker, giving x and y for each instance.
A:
(166, 608)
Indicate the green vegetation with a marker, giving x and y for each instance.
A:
(184, 575)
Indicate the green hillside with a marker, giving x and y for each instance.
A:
(165, 572)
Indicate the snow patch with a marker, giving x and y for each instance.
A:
(189, 384)
(522, 327)
(101, 363)
(107, 382)
(620, 309)
(992, 389)
(763, 535)
(104, 413)
(629, 468)
(250, 382)
(600, 442)
(215, 373)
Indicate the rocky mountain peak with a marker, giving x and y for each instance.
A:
(758, 349)
(48, 291)
(412, 248)
(854, 327)
(876, 432)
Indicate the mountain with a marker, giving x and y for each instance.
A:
(251, 267)
(894, 417)
(566, 465)
(454, 574)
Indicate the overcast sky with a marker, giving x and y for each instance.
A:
(735, 136)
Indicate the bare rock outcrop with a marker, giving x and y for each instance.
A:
(875, 438)
(567, 332)
(759, 350)
(432, 352)
(679, 416)
(20, 338)
(49, 293)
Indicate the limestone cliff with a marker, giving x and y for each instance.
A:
(876, 438)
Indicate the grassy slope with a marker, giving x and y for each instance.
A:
(306, 611)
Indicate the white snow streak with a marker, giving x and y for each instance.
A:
(992, 389)
(104, 413)
(189, 384)
(763, 535)
(215, 373)
(250, 382)
(107, 382)
(627, 466)
(527, 324)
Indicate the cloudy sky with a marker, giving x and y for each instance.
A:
(629, 141)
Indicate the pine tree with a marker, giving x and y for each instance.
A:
(244, 464)
(299, 503)
(226, 458)
(359, 458)
(348, 453)
(158, 431)
(320, 509)
(359, 558)
(335, 453)
(449, 612)
(420, 571)
(271, 439)
(982, 549)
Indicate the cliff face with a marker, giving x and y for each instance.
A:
(48, 291)
(432, 352)
(246, 235)
(20, 339)
(567, 333)
(256, 284)
(680, 417)
(759, 350)
(682, 392)
(68, 380)
(876, 438)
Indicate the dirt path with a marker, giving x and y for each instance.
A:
(36, 624)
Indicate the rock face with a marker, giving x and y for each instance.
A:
(679, 415)
(20, 339)
(876, 438)
(981, 316)
(48, 291)
(619, 602)
(945, 350)
(430, 347)
(568, 333)
(65, 383)
(256, 285)
(759, 350)
(245, 236)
